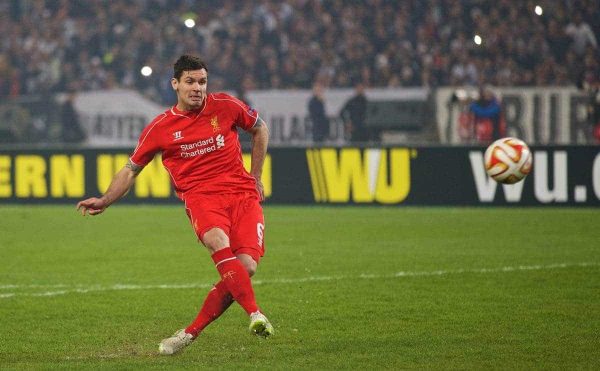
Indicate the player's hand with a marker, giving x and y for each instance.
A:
(92, 206)
(260, 188)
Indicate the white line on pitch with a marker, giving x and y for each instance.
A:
(32, 286)
(119, 287)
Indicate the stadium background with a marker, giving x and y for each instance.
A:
(76, 76)
(80, 79)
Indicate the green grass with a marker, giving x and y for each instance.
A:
(328, 283)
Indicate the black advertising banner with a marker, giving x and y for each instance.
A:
(560, 176)
(453, 176)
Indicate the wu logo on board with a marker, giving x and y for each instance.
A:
(360, 175)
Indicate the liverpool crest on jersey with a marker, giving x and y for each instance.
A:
(214, 122)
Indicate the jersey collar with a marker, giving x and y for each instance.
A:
(190, 113)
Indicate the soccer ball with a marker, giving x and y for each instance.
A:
(508, 160)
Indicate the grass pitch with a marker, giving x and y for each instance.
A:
(345, 287)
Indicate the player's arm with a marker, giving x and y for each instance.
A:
(260, 141)
(119, 186)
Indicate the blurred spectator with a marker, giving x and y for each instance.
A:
(593, 108)
(318, 115)
(558, 40)
(584, 46)
(581, 34)
(354, 113)
(486, 122)
(71, 128)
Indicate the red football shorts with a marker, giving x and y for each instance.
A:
(239, 215)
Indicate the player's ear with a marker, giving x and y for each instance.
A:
(174, 83)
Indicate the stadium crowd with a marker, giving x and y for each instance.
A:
(62, 45)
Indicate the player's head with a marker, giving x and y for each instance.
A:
(187, 63)
(190, 77)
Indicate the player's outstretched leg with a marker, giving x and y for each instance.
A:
(260, 325)
(216, 303)
(175, 343)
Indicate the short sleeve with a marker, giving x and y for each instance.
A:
(147, 145)
(246, 116)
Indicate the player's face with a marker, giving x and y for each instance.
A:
(191, 89)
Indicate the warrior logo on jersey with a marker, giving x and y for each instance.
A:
(215, 124)
(177, 135)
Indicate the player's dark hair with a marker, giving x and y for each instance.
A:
(187, 63)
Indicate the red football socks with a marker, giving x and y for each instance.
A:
(217, 301)
(236, 279)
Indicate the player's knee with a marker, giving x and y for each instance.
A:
(250, 267)
(249, 264)
(215, 239)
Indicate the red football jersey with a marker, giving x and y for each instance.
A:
(201, 149)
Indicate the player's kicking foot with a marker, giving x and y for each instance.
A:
(175, 343)
(260, 325)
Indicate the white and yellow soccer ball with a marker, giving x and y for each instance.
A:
(508, 160)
